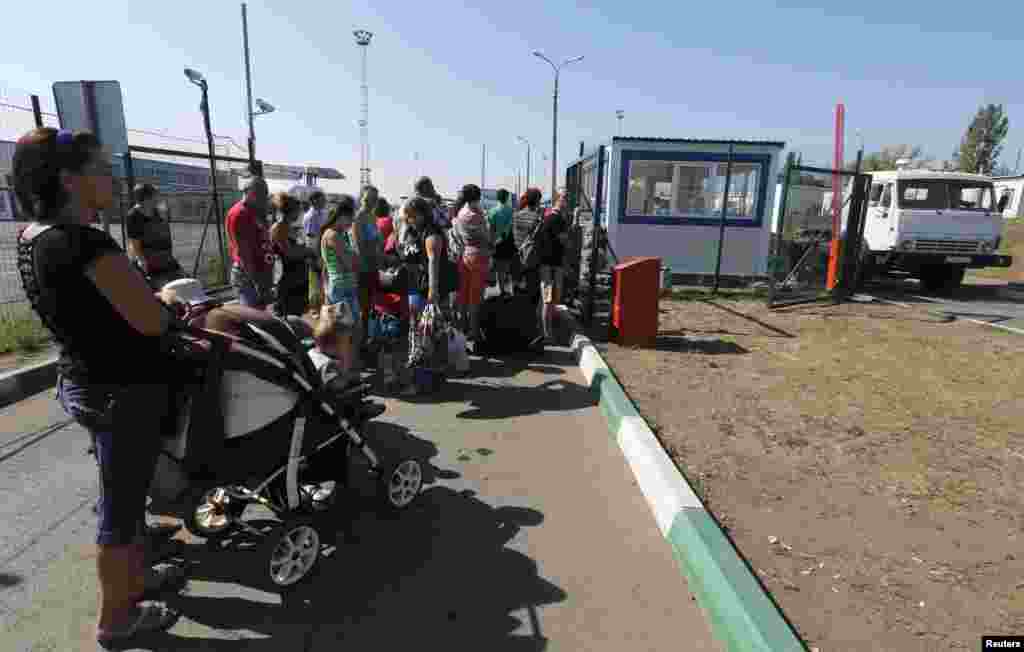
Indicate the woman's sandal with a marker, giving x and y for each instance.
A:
(162, 579)
(150, 617)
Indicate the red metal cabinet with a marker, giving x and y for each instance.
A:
(636, 284)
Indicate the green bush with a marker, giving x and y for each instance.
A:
(21, 331)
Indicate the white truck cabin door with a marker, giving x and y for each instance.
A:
(880, 225)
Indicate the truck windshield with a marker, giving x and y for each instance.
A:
(929, 194)
(971, 196)
(937, 194)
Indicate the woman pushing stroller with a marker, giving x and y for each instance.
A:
(62, 179)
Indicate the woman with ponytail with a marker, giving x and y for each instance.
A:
(113, 372)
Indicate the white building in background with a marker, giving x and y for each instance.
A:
(1013, 187)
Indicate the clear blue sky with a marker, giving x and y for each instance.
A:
(447, 77)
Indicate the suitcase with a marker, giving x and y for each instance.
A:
(508, 324)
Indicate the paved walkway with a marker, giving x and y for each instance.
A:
(534, 536)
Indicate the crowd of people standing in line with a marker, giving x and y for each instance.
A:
(355, 261)
(369, 264)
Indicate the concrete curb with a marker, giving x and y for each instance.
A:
(19, 384)
(739, 610)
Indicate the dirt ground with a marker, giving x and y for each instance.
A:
(866, 459)
(1013, 244)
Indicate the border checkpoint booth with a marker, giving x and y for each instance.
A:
(663, 197)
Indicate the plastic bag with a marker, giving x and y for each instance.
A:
(428, 346)
(457, 354)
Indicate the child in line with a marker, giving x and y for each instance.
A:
(333, 354)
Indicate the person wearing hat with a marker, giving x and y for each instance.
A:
(150, 245)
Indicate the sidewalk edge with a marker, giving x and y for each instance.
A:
(19, 384)
(740, 613)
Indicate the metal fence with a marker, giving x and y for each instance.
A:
(803, 235)
(180, 169)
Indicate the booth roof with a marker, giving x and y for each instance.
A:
(702, 141)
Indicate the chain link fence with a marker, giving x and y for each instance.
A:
(179, 168)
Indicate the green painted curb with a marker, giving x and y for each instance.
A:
(738, 608)
(741, 614)
(614, 403)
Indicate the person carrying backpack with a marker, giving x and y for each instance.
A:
(525, 225)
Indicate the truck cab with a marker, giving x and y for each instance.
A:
(932, 225)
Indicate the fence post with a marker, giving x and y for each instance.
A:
(721, 221)
(776, 253)
(595, 233)
(129, 177)
(37, 113)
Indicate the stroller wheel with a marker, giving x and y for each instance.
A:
(212, 514)
(294, 551)
(401, 483)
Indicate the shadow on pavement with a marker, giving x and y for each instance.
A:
(507, 401)
(968, 292)
(8, 580)
(950, 309)
(439, 577)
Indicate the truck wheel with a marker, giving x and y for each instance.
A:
(943, 279)
(865, 268)
(954, 278)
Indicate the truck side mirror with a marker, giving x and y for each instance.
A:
(1003, 201)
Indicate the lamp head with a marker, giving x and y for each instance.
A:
(195, 77)
(264, 107)
(573, 60)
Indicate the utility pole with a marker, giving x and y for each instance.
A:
(248, 89)
(554, 116)
(526, 185)
(483, 167)
(1016, 167)
(619, 115)
(363, 38)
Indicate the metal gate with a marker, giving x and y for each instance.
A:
(802, 267)
(585, 189)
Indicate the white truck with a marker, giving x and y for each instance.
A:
(932, 226)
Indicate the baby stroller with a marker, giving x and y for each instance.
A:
(256, 426)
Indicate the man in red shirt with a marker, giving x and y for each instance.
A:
(252, 257)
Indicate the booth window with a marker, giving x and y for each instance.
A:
(692, 189)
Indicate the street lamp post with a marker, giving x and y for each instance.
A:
(619, 115)
(204, 107)
(527, 143)
(554, 115)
